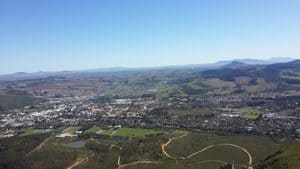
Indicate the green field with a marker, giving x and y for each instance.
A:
(249, 113)
(15, 101)
(135, 132)
(31, 131)
(93, 129)
(108, 132)
(180, 132)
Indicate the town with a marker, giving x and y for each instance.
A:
(223, 114)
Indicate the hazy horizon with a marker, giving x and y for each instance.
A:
(58, 35)
(150, 67)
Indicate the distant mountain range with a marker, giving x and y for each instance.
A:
(258, 61)
(287, 72)
(237, 63)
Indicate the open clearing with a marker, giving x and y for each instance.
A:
(134, 132)
(31, 131)
(93, 129)
(71, 129)
(249, 113)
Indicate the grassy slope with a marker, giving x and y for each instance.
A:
(55, 155)
(15, 101)
(259, 147)
(288, 159)
(13, 150)
(31, 131)
(135, 132)
(93, 129)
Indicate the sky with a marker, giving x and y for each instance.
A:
(54, 35)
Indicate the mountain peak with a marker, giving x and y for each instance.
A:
(235, 64)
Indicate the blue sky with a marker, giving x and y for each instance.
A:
(52, 35)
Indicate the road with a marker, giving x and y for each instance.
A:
(250, 159)
(163, 147)
(39, 146)
(138, 162)
(231, 145)
(82, 160)
(77, 162)
(111, 146)
(121, 166)
(211, 161)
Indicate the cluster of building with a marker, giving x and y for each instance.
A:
(151, 112)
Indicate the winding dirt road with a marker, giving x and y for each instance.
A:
(211, 161)
(111, 146)
(121, 166)
(217, 145)
(163, 147)
(138, 162)
(250, 159)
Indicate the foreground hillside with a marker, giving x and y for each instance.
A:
(288, 158)
(134, 149)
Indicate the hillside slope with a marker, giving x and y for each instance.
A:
(287, 159)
